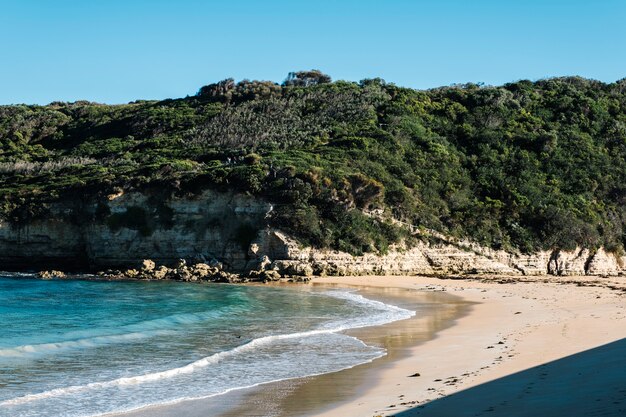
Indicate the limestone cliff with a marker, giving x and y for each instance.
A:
(231, 229)
(444, 258)
(129, 227)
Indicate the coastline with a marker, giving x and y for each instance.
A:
(275, 398)
(512, 325)
(498, 334)
(310, 396)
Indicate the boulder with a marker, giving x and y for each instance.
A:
(202, 271)
(254, 275)
(301, 268)
(182, 274)
(269, 275)
(45, 275)
(160, 272)
(223, 276)
(51, 274)
(147, 265)
(131, 273)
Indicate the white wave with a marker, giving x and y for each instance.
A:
(129, 333)
(380, 353)
(43, 348)
(8, 274)
(387, 313)
(359, 299)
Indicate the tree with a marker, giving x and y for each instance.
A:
(306, 78)
(218, 90)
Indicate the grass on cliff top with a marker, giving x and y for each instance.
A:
(524, 166)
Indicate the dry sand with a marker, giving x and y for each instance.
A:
(531, 346)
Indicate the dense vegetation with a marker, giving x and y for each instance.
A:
(524, 166)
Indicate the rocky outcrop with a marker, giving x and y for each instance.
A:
(313, 262)
(446, 257)
(179, 272)
(51, 274)
(225, 233)
(191, 273)
(531, 264)
(568, 263)
(603, 263)
(440, 259)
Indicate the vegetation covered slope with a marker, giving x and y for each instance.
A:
(524, 166)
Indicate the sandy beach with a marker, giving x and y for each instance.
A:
(532, 346)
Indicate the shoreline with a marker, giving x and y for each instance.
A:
(514, 326)
(312, 395)
(274, 398)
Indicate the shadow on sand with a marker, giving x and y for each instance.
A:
(590, 383)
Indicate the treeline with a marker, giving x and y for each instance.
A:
(524, 166)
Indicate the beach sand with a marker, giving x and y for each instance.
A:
(533, 346)
(522, 346)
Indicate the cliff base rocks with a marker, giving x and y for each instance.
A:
(194, 273)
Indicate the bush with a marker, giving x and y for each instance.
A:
(524, 166)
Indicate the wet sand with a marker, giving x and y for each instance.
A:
(436, 311)
(308, 396)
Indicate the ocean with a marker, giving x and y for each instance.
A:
(79, 348)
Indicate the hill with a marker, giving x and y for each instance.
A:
(520, 167)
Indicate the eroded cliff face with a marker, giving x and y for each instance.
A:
(232, 229)
(444, 258)
(129, 227)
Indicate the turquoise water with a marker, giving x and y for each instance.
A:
(87, 348)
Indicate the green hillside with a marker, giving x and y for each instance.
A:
(524, 166)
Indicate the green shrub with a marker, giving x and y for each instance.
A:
(524, 166)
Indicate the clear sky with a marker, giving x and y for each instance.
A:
(115, 51)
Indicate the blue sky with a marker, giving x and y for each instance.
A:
(116, 51)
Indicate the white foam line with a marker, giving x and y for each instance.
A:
(209, 360)
(226, 391)
(359, 299)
